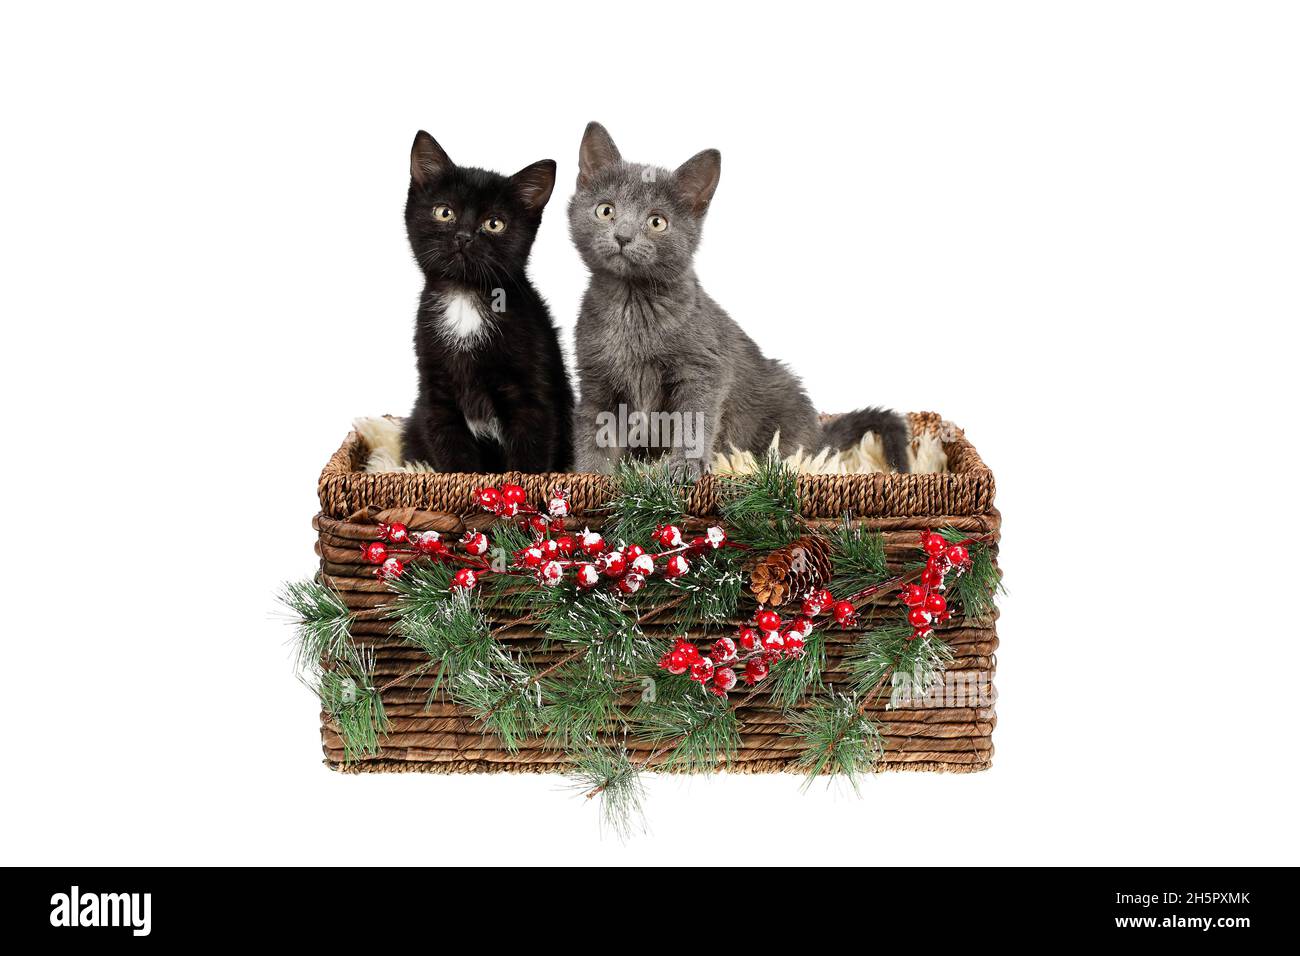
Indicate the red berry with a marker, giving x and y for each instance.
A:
(793, 644)
(592, 543)
(631, 582)
(748, 639)
(558, 505)
(935, 603)
(464, 579)
(767, 620)
(677, 566)
(539, 524)
(724, 649)
(845, 613)
(533, 557)
(716, 537)
(391, 568)
(551, 573)
(488, 498)
(550, 547)
(919, 632)
(702, 670)
(375, 552)
(430, 542)
(588, 576)
(918, 617)
(724, 678)
(566, 544)
(686, 647)
(932, 578)
(755, 671)
(824, 598)
(773, 641)
(513, 494)
(475, 542)
(613, 563)
(913, 595)
(933, 544)
(678, 662)
(958, 554)
(397, 532)
(643, 564)
(633, 551)
(801, 626)
(699, 543)
(668, 536)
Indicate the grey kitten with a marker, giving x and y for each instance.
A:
(653, 346)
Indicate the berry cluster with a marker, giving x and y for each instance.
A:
(396, 545)
(755, 647)
(926, 604)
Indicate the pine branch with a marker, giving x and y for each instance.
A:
(609, 773)
(322, 624)
(703, 729)
(977, 588)
(761, 510)
(857, 558)
(838, 739)
(349, 698)
(646, 495)
(790, 680)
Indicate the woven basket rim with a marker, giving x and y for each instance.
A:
(967, 488)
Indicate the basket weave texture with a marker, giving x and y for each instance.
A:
(950, 733)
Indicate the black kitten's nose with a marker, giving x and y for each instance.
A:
(463, 237)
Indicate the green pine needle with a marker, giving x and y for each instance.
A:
(837, 740)
(791, 680)
(348, 695)
(761, 509)
(857, 558)
(975, 590)
(608, 774)
(647, 494)
(321, 624)
(703, 730)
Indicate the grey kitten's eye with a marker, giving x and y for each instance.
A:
(443, 213)
(494, 224)
(604, 210)
(656, 222)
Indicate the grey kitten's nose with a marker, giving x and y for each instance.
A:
(622, 240)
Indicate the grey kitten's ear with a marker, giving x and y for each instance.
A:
(697, 178)
(533, 184)
(596, 152)
(428, 160)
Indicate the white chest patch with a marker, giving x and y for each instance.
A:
(464, 318)
(487, 428)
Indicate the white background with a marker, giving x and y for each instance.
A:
(1074, 229)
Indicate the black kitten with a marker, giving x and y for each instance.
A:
(494, 394)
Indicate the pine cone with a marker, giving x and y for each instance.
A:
(789, 573)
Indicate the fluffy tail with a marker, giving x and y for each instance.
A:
(845, 431)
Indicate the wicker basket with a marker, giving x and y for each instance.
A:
(950, 733)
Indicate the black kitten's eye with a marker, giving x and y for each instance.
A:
(494, 224)
(656, 222)
(604, 210)
(444, 213)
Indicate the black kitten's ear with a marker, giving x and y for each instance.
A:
(428, 160)
(533, 184)
(697, 178)
(596, 152)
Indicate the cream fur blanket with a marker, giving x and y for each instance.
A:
(926, 455)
